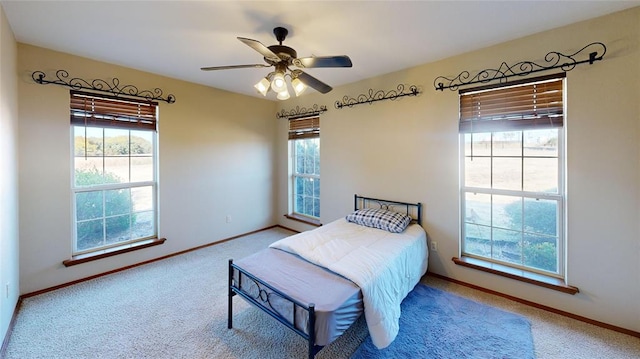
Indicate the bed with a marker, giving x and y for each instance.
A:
(319, 282)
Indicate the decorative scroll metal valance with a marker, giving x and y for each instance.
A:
(553, 60)
(113, 87)
(374, 96)
(302, 112)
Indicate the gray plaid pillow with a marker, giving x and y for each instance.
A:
(393, 222)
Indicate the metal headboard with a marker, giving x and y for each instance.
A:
(413, 210)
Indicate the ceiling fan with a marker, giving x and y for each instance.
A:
(283, 58)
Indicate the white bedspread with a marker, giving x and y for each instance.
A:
(386, 266)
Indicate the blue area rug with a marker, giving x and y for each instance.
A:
(437, 324)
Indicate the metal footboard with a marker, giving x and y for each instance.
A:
(297, 316)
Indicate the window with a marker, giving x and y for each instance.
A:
(114, 181)
(304, 142)
(512, 175)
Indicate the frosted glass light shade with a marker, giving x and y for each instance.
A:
(283, 95)
(278, 84)
(262, 86)
(298, 86)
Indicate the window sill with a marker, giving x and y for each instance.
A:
(113, 251)
(517, 274)
(304, 219)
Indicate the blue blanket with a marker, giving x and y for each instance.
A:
(437, 324)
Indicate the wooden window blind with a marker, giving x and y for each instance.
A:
(104, 111)
(536, 103)
(300, 128)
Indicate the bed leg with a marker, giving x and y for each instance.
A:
(230, 293)
(312, 330)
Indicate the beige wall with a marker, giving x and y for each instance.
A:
(216, 158)
(408, 150)
(9, 274)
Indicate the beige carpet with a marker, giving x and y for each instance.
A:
(177, 308)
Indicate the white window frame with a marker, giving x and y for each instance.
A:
(295, 175)
(75, 190)
(558, 197)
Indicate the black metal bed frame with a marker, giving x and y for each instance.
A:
(260, 294)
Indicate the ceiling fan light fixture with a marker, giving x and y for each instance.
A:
(263, 86)
(282, 57)
(298, 86)
(278, 83)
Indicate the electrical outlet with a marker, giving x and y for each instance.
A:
(434, 246)
(228, 218)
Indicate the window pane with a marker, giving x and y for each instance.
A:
(306, 202)
(477, 172)
(142, 198)
(507, 173)
(116, 142)
(541, 252)
(299, 153)
(118, 229)
(90, 234)
(299, 204)
(142, 224)
(89, 205)
(308, 162)
(507, 212)
(477, 144)
(92, 137)
(541, 175)
(477, 240)
(141, 143)
(478, 209)
(507, 143)
(116, 169)
(308, 187)
(316, 207)
(299, 182)
(307, 156)
(141, 169)
(88, 171)
(541, 143)
(308, 206)
(507, 245)
(316, 156)
(117, 202)
(511, 210)
(306, 166)
(540, 216)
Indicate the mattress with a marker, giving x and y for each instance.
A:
(338, 301)
(386, 266)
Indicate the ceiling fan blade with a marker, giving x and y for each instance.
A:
(323, 61)
(210, 68)
(258, 46)
(313, 82)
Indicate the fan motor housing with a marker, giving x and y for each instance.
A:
(285, 53)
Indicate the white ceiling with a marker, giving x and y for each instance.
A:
(177, 38)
